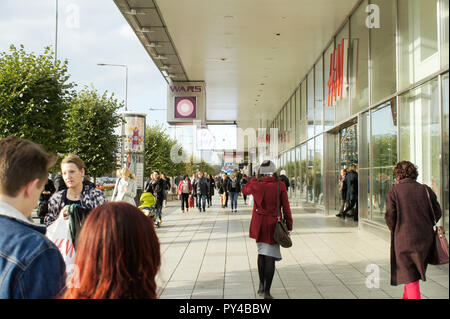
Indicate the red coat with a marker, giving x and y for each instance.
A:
(180, 187)
(264, 217)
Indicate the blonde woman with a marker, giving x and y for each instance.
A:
(125, 188)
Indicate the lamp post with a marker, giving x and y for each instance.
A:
(126, 80)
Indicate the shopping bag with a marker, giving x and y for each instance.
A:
(250, 200)
(59, 234)
(191, 201)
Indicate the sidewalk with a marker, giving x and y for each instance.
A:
(209, 255)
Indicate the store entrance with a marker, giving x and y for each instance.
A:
(342, 151)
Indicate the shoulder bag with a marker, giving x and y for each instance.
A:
(439, 253)
(281, 233)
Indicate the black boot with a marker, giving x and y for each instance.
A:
(267, 295)
(261, 289)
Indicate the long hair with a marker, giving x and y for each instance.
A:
(118, 255)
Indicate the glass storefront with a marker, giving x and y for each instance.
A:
(419, 50)
(376, 121)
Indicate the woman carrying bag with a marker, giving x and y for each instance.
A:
(411, 212)
(264, 189)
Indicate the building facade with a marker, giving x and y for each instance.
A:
(377, 95)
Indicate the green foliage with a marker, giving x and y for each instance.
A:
(34, 94)
(90, 124)
(157, 152)
(194, 166)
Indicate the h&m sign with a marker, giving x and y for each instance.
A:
(338, 72)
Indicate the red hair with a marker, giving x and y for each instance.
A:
(117, 254)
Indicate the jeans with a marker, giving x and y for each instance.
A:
(203, 198)
(158, 210)
(234, 198)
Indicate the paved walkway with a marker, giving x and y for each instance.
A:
(209, 255)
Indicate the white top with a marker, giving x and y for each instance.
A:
(120, 194)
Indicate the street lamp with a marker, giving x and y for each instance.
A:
(126, 83)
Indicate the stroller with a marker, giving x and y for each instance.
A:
(147, 204)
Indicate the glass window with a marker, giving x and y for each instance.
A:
(359, 60)
(445, 129)
(318, 91)
(297, 172)
(420, 134)
(310, 172)
(303, 171)
(310, 107)
(444, 33)
(328, 108)
(297, 116)
(382, 52)
(341, 94)
(318, 170)
(291, 173)
(419, 55)
(384, 156)
(303, 122)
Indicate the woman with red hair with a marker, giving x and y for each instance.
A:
(117, 255)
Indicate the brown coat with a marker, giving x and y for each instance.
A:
(410, 220)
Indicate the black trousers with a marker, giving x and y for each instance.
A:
(184, 200)
(352, 203)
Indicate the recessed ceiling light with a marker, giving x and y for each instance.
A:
(277, 34)
(261, 84)
(228, 17)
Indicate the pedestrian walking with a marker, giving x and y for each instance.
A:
(342, 191)
(244, 181)
(223, 190)
(351, 193)
(167, 186)
(49, 190)
(201, 189)
(118, 255)
(264, 188)
(184, 190)
(234, 188)
(125, 188)
(31, 266)
(284, 179)
(84, 197)
(410, 219)
(156, 186)
(212, 186)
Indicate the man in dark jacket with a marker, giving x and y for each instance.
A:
(352, 192)
(31, 266)
(201, 189)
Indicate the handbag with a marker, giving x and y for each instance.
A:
(439, 253)
(281, 233)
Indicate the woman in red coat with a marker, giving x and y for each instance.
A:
(410, 219)
(264, 218)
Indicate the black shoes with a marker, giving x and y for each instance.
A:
(268, 296)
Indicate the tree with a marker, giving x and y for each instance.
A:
(157, 152)
(90, 124)
(34, 95)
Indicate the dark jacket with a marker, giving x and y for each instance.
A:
(201, 186)
(342, 188)
(264, 216)
(212, 185)
(410, 220)
(59, 183)
(31, 266)
(285, 180)
(352, 186)
(222, 185)
(237, 186)
(156, 187)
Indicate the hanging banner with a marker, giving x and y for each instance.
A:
(186, 103)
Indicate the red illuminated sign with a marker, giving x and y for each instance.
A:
(336, 76)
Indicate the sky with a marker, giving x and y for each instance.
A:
(92, 32)
(89, 32)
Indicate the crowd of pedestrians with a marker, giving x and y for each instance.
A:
(117, 248)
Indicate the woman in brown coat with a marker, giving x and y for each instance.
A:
(264, 218)
(410, 219)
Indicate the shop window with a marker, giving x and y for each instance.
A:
(419, 56)
(359, 59)
(445, 156)
(318, 170)
(341, 64)
(444, 33)
(310, 105)
(318, 93)
(303, 121)
(328, 103)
